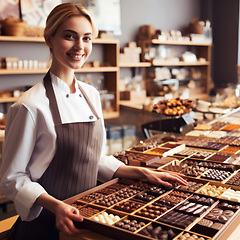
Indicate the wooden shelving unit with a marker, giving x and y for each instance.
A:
(138, 64)
(43, 70)
(202, 49)
(111, 72)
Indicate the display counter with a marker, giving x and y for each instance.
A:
(209, 207)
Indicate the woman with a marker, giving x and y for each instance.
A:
(55, 136)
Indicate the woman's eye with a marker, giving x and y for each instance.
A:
(87, 38)
(69, 36)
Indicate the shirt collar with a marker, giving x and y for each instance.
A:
(59, 83)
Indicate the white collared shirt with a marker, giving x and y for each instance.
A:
(30, 141)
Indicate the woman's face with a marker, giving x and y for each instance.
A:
(72, 43)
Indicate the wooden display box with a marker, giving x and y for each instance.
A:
(104, 231)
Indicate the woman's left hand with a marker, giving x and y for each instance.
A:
(154, 177)
(164, 178)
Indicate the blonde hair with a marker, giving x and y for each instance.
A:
(61, 13)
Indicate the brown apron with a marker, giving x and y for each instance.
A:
(73, 169)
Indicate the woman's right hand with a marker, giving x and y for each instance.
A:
(65, 215)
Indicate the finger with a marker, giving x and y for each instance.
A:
(165, 183)
(72, 229)
(175, 178)
(76, 217)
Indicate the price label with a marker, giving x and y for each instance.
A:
(187, 118)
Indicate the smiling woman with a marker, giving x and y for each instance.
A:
(70, 46)
(59, 138)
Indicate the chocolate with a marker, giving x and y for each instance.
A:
(205, 222)
(143, 146)
(170, 145)
(218, 125)
(214, 145)
(158, 151)
(215, 174)
(178, 219)
(130, 225)
(128, 206)
(159, 232)
(91, 197)
(223, 219)
(219, 157)
(141, 186)
(172, 199)
(195, 209)
(230, 149)
(188, 236)
(231, 127)
(227, 206)
(235, 179)
(151, 211)
(214, 214)
(217, 225)
(88, 211)
(156, 191)
(203, 200)
(145, 197)
(191, 187)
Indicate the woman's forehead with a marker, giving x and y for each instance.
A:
(77, 24)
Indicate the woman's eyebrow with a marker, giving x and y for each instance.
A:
(74, 32)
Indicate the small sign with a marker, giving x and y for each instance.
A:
(187, 118)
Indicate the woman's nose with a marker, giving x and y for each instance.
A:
(79, 44)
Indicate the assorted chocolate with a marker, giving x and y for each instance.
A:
(195, 205)
(88, 211)
(142, 208)
(130, 225)
(215, 174)
(172, 199)
(219, 157)
(212, 190)
(191, 187)
(203, 207)
(136, 159)
(143, 146)
(128, 206)
(173, 107)
(234, 180)
(190, 236)
(178, 219)
(152, 211)
(160, 232)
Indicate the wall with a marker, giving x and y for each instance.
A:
(162, 14)
(225, 16)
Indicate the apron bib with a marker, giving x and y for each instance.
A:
(73, 169)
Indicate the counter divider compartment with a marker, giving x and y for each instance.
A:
(192, 233)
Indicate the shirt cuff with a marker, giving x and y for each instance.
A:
(107, 167)
(25, 199)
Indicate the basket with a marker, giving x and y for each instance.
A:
(13, 28)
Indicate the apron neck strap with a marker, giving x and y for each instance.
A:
(52, 99)
(88, 101)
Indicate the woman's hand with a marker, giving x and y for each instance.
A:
(159, 178)
(65, 215)
(164, 178)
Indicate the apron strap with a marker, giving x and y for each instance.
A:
(88, 101)
(52, 99)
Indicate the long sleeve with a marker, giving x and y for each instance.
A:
(16, 183)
